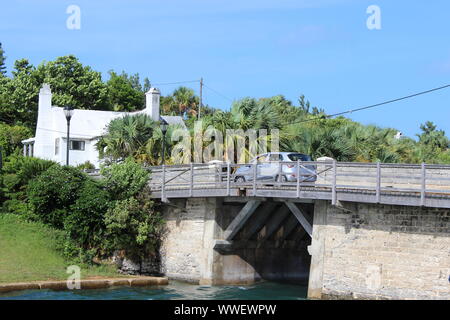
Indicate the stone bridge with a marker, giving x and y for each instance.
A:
(378, 231)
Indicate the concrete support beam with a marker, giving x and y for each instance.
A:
(241, 199)
(258, 221)
(301, 217)
(317, 251)
(275, 223)
(230, 247)
(242, 217)
(288, 227)
(293, 200)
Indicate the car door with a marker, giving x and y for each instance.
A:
(273, 167)
(262, 166)
(260, 162)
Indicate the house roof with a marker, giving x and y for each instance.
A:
(28, 140)
(90, 124)
(174, 120)
(85, 123)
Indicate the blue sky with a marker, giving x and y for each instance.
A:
(319, 48)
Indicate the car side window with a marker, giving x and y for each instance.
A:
(275, 157)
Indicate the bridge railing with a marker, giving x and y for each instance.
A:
(331, 177)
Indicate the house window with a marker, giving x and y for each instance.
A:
(77, 145)
(56, 146)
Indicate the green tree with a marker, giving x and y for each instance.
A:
(85, 223)
(53, 192)
(19, 95)
(11, 137)
(133, 225)
(127, 137)
(16, 174)
(124, 92)
(147, 85)
(433, 138)
(132, 222)
(182, 102)
(125, 180)
(72, 84)
(2, 61)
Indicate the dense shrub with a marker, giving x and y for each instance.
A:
(53, 192)
(85, 221)
(134, 226)
(95, 217)
(17, 172)
(132, 222)
(125, 180)
(86, 166)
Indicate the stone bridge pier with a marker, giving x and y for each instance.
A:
(349, 250)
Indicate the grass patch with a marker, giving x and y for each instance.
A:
(28, 253)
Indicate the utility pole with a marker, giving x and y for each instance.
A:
(201, 96)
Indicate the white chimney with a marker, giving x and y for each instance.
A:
(152, 103)
(45, 98)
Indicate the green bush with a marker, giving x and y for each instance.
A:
(134, 226)
(85, 222)
(125, 180)
(17, 172)
(86, 166)
(52, 193)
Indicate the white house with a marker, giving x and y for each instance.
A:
(86, 127)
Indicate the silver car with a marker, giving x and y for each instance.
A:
(275, 166)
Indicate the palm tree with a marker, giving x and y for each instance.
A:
(127, 137)
(182, 102)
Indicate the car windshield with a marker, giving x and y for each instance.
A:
(299, 156)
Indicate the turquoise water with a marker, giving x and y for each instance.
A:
(173, 291)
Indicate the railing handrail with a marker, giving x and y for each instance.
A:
(378, 178)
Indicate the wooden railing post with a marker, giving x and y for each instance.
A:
(191, 182)
(378, 182)
(163, 184)
(423, 185)
(228, 178)
(255, 172)
(279, 172)
(298, 178)
(333, 188)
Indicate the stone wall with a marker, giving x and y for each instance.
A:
(184, 252)
(380, 252)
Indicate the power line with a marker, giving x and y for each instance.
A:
(217, 92)
(371, 106)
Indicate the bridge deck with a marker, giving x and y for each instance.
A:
(410, 185)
